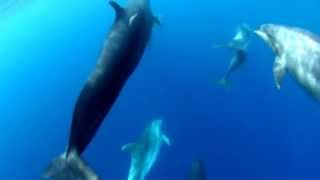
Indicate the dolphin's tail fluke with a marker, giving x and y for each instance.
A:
(69, 168)
(224, 82)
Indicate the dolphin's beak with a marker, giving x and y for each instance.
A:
(262, 35)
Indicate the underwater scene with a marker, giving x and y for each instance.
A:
(159, 90)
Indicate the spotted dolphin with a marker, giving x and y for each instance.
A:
(121, 53)
(239, 44)
(145, 152)
(297, 52)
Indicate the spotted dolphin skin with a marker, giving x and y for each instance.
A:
(239, 44)
(145, 152)
(297, 52)
(198, 171)
(120, 55)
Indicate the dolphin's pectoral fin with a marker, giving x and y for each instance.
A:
(156, 21)
(279, 70)
(128, 147)
(117, 8)
(166, 140)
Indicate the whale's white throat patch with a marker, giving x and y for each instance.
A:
(132, 18)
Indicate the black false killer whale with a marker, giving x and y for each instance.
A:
(121, 53)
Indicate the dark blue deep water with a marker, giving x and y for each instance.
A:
(250, 131)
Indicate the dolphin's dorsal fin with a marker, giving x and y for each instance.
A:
(117, 8)
(279, 70)
(166, 139)
(128, 147)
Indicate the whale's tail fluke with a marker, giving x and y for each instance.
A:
(69, 168)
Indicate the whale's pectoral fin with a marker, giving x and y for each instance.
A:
(156, 20)
(128, 147)
(279, 70)
(166, 140)
(117, 8)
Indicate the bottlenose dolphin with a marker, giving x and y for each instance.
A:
(297, 52)
(145, 152)
(198, 171)
(239, 44)
(121, 53)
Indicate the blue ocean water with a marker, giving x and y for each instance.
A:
(250, 131)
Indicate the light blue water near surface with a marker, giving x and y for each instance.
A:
(250, 131)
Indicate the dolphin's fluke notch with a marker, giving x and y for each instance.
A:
(68, 168)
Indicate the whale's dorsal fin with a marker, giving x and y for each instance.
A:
(279, 70)
(166, 140)
(117, 8)
(128, 147)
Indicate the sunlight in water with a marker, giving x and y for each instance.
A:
(12, 6)
(8, 4)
